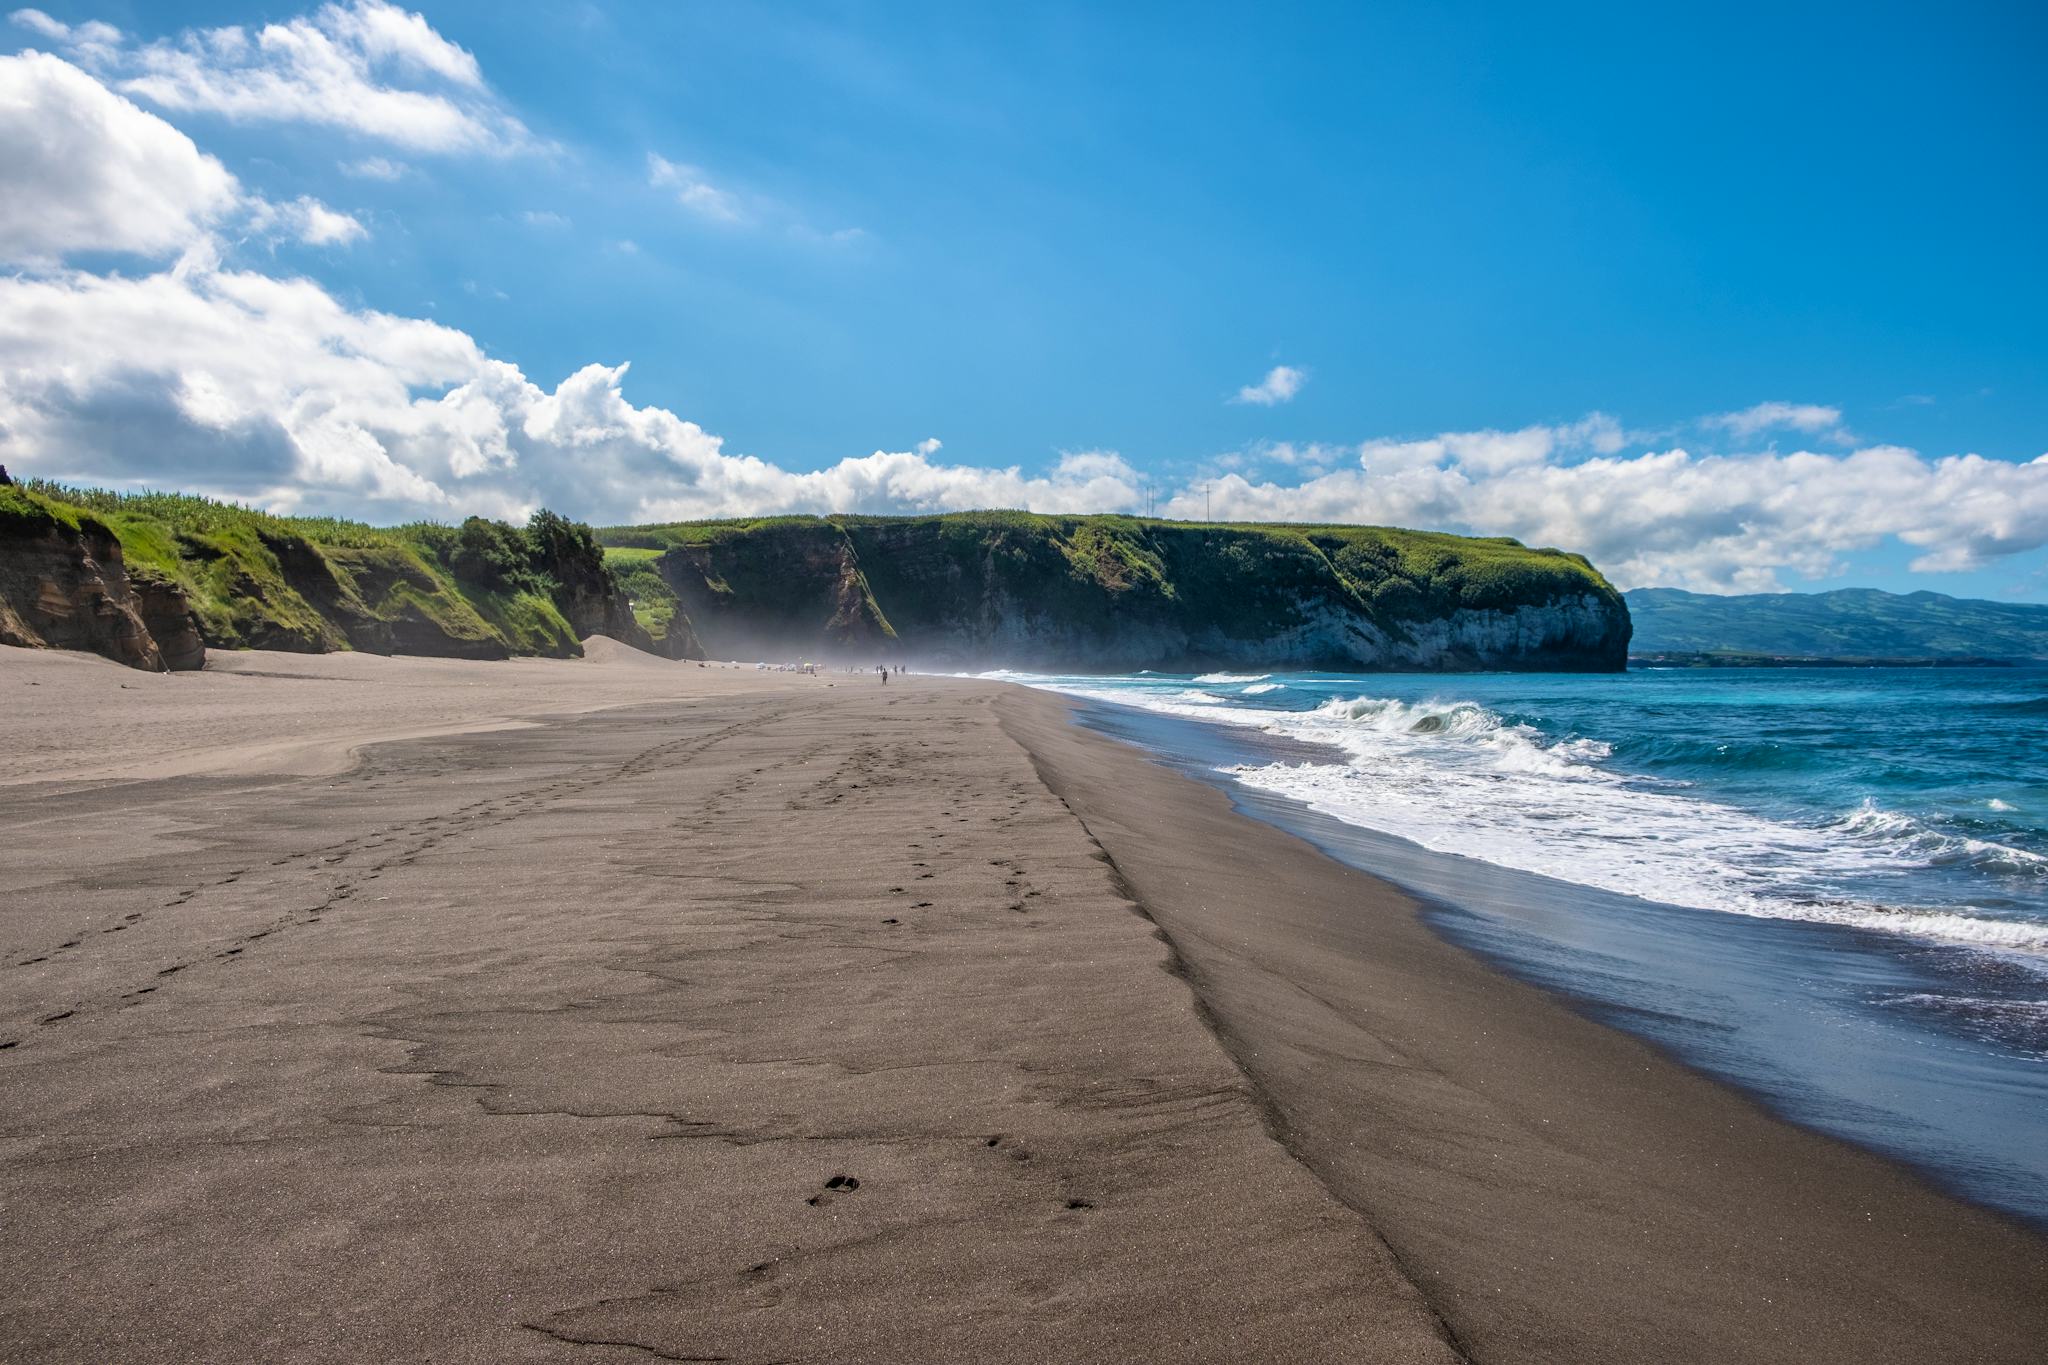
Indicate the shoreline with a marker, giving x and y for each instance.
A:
(1560, 1190)
(526, 1043)
(1796, 1016)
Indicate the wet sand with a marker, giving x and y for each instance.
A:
(366, 1009)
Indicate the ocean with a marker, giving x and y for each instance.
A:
(1828, 887)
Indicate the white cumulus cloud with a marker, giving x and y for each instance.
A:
(1709, 521)
(37, 22)
(367, 66)
(319, 225)
(273, 391)
(1280, 385)
(83, 169)
(92, 39)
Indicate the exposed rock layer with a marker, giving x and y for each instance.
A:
(68, 588)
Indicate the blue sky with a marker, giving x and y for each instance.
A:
(1070, 243)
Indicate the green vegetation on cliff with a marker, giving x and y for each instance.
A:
(154, 578)
(255, 580)
(1107, 590)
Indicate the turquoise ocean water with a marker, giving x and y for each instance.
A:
(1827, 886)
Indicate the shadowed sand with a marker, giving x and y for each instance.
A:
(617, 1009)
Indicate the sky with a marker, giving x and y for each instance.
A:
(1735, 298)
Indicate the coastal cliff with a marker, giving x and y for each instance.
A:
(154, 580)
(1114, 593)
(64, 583)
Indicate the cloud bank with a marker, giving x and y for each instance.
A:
(1709, 521)
(197, 372)
(201, 375)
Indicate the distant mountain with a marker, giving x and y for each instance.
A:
(1849, 623)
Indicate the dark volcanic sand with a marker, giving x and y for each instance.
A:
(781, 1021)
(777, 1018)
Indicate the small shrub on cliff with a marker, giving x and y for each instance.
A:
(495, 557)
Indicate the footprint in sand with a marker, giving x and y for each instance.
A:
(838, 1184)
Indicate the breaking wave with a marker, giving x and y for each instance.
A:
(1457, 776)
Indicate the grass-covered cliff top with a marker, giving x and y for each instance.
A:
(255, 579)
(1402, 573)
(961, 581)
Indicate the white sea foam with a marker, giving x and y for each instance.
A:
(1261, 689)
(1453, 776)
(1915, 842)
(1231, 677)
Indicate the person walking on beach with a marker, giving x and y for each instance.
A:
(885, 675)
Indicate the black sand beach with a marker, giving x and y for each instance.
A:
(764, 1017)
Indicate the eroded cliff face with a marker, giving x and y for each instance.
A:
(154, 588)
(1119, 595)
(65, 587)
(777, 590)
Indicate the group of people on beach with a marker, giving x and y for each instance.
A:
(818, 670)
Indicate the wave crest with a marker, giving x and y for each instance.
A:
(1904, 836)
